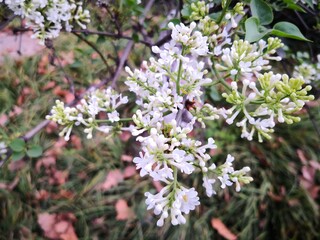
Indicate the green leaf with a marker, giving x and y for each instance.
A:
(135, 37)
(17, 155)
(34, 151)
(175, 21)
(292, 5)
(101, 39)
(262, 11)
(254, 31)
(288, 30)
(186, 11)
(17, 145)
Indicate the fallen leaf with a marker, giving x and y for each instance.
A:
(61, 226)
(69, 234)
(49, 85)
(58, 226)
(46, 161)
(222, 229)
(302, 157)
(46, 222)
(16, 165)
(3, 120)
(126, 158)
(42, 195)
(68, 96)
(15, 112)
(113, 178)
(129, 171)
(123, 211)
(76, 142)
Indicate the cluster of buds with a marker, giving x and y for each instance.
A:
(277, 98)
(48, 17)
(217, 32)
(243, 59)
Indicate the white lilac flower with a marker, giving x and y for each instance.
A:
(48, 17)
(173, 204)
(245, 59)
(87, 111)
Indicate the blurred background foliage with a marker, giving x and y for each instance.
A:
(88, 189)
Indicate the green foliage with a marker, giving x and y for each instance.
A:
(262, 15)
(261, 10)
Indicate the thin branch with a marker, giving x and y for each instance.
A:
(111, 35)
(123, 59)
(94, 47)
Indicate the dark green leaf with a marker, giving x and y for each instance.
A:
(135, 37)
(175, 21)
(288, 30)
(17, 145)
(254, 32)
(34, 151)
(17, 155)
(261, 10)
(101, 39)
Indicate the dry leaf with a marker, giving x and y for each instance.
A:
(58, 226)
(113, 178)
(126, 158)
(123, 211)
(68, 96)
(302, 157)
(129, 171)
(49, 85)
(69, 234)
(222, 229)
(76, 142)
(3, 120)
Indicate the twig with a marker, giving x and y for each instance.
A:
(94, 47)
(111, 35)
(123, 59)
(49, 45)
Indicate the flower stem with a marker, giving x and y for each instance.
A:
(179, 73)
(108, 121)
(223, 13)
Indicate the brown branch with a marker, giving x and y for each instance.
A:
(94, 47)
(111, 35)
